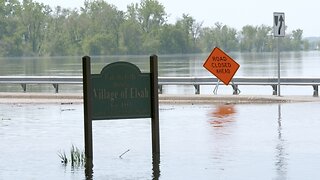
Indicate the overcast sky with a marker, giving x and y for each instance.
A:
(304, 14)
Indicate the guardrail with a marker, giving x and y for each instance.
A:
(55, 81)
(163, 81)
(236, 81)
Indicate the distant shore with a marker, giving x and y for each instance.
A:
(28, 98)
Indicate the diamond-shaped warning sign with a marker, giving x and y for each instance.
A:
(221, 65)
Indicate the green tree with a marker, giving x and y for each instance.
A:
(263, 40)
(131, 38)
(131, 32)
(61, 33)
(151, 15)
(33, 20)
(28, 28)
(207, 41)
(306, 45)
(172, 40)
(225, 37)
(104, 21)
(297, 42)
(248, 38)
(220, 36)
(191, 32)
(10, 35)
(100, 44)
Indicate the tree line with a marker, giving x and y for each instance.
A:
(29, 28)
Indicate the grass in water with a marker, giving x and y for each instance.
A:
(77, 157)
(63, 157)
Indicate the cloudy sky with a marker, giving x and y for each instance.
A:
(234, 13)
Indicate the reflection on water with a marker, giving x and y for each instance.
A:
(89, 169)
(155, 166)
(221, 119)
(222, 115)
(281, 155)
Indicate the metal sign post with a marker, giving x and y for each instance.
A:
(279, 31)
(279, 71)
(215, 90)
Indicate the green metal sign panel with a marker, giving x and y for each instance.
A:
(121, 91)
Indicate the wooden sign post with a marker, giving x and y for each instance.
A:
(120, 91)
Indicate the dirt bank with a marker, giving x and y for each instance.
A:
(163, 98)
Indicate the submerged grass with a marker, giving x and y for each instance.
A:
(76, 159)
(63, 157)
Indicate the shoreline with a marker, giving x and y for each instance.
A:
(49, 98)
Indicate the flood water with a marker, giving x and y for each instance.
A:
(244, 141)
(201, 141)
(293, 64)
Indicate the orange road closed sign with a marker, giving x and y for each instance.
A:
(221, 65)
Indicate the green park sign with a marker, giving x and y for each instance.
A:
(120, 91)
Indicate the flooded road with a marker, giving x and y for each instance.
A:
(203, 141)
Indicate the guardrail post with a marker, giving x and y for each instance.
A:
(56, 87)
(24, 87)
(160, 89)
(275, 89)
(197, 88)
(315, 90)
(235, 88)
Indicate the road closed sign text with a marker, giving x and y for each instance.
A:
(221, 65)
